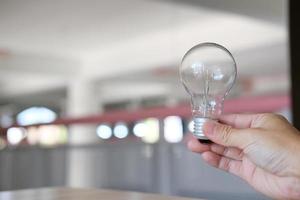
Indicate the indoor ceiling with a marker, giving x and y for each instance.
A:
(46, 45)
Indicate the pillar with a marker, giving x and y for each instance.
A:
(81, 101)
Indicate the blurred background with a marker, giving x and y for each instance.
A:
(90, 94)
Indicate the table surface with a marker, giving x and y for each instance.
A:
(82, 194)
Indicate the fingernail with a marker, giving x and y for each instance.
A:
(208, 128)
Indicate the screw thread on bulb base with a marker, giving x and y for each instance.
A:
(198, 129)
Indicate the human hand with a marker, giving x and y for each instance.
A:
(262, 149)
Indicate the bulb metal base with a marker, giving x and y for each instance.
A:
(198, 129)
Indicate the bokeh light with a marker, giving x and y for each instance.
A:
(140, 129)
(15, 135)
(35, 115)
(48, 135)
(120, 130)
(152, 131)
(33, 135)
(104, 131)
(52, 135)
(173, 129)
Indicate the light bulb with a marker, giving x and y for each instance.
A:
(208, 72)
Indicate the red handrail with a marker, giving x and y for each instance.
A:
(238, 105)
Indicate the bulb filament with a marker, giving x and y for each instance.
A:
(206, 90)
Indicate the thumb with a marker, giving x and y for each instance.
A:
(226, 135)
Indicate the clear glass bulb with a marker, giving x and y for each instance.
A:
(208, 72)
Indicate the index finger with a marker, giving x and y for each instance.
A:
(239, 120)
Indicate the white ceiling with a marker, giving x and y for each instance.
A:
(76, 28)
(48, 44)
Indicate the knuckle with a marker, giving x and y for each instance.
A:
(280, 117)
(226, 132)
(267, 116)
(263, 118)
(268, 120)
(224, 164)
(226, 151)
(272, 116)
(240, 154)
